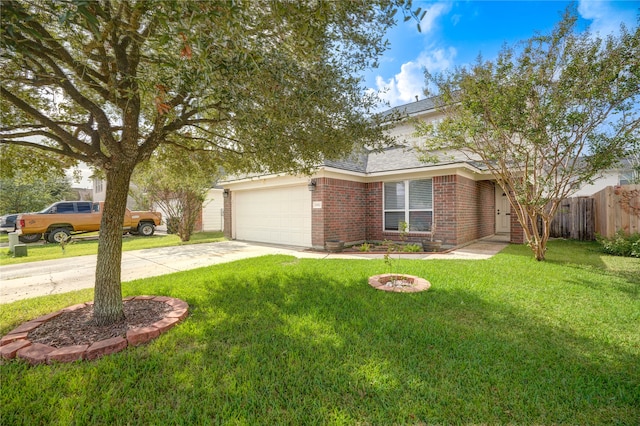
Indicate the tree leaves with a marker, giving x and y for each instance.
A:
(544, 118)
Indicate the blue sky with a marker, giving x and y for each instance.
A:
(455, 32)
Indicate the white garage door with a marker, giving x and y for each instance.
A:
(276, 215)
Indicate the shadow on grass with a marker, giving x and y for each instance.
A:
(282, 341)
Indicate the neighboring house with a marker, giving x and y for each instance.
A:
(213, 211)
(100, 192)
(620, 175)
(211, 217)
(84, 194)
(364, 198)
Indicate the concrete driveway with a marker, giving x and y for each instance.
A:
(25, 280)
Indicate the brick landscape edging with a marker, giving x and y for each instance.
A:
(379, 282)
(16, 344)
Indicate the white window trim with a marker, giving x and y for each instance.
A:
(406, 206)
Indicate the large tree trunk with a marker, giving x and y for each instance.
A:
(108, 306)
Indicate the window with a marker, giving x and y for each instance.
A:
(409, 201)
(628, 177)
(84, 207)
(63, 208)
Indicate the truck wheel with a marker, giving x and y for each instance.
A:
(29, 238)
(58, 235)
(146, 229)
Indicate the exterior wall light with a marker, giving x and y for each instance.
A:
(312, 185)
(225, 193)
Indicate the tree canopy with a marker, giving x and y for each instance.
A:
(255, 85)
(25, 193)
(545, 117)
(176, 182)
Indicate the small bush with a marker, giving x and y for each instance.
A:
(621, 244)
(412, 248)
(172, 225)
(365, 247)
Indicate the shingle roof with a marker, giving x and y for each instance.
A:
(412, 108)
(393, 159)
(356, 162)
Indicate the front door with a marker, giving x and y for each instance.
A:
(503, 212)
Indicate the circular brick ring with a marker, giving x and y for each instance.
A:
(16, 344)
(399, 283)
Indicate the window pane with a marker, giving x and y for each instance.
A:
(394, 195)
(84, 207)
(420, 221)
(65, 208)
(392, 220)
(420, 195)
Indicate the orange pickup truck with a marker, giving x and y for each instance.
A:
(64, 218)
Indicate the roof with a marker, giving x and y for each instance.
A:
(411, 109)
(395, 158)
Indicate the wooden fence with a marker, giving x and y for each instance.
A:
(617, 208)
(604, 213)
(575, 219)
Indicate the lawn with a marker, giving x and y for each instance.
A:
(80, 246)
(279, 340)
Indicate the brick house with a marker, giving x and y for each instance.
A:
(364, 198)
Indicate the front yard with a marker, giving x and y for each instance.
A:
(278, 340)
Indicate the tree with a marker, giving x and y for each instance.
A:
(544, 118)
(176, 181)
(25, 193)
(107, 82)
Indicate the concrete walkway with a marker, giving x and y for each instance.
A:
(48, 277)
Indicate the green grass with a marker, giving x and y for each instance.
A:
(278, 340)
(79, 247)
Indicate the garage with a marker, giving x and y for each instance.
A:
(273, 215)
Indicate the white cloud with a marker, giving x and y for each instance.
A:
(605, 19)
(409, 82)
(433, 13)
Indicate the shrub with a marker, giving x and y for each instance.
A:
(621, 244)
(412, 248)
(172, 225)
(365, 247)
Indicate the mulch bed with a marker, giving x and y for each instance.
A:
(77, 327)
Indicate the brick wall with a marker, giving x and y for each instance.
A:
(227, 215)
(517, 233)
(444, 209)
(475, 214)
(463, 209)
(344, 211)
(197, 227)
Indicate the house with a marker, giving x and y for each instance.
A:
(622, 174)
(367, 196)
(211, 216)
(212, 211)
